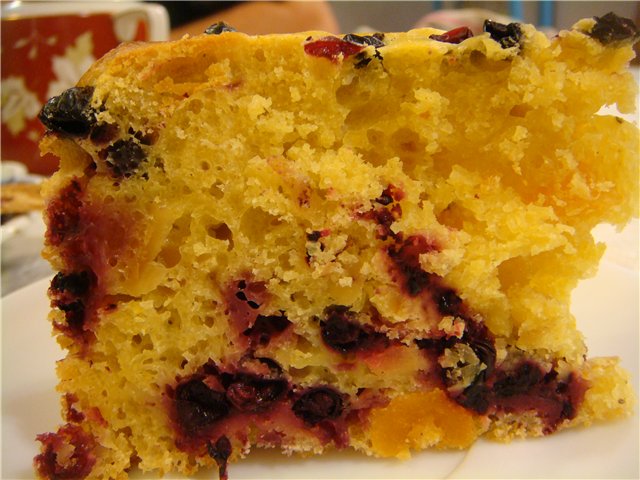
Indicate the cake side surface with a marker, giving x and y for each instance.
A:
(300, 241)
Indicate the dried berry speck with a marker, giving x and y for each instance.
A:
(611, 28)
(252, 393)
(376, 39)
(218, 28)
(124, 157)
(506, 35)
(198, 406)
(318, 404)
(265, 327)
(342, 333)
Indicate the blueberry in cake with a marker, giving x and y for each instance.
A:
(309, 241)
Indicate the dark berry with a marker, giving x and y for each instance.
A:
(104, 133)
(220, 452)
(198, 406)
(265, 327)
(339, 331)
(486, 353)
(385, 217)
(611, 28)
(210, 368)
(457, 35)
(76, 284)
(448, 301)
(218, 28)
(74, 315)
(314, 236)
(273, 366)
(252, 393)
(506, 35)
(362, 60)
(70, 112)
(376, 39)
(520, 381)
(145, 138)
(406, 256)
(318, 404)
(476, 397)
(124, 157)
(384, 199)
(332, 48)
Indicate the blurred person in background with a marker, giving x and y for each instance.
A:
(253, 18)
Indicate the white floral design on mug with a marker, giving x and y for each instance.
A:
(19, 104)
(69, 68)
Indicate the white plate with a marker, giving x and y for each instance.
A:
(606, 308)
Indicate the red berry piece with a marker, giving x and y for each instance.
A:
(332, 48)
(457, 35)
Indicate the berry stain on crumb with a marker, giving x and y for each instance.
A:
(66, 454)
(220, 452)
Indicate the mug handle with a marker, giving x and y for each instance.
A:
(155, 16)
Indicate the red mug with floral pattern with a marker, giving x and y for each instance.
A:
(46, 47)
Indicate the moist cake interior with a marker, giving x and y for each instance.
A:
(309, 242)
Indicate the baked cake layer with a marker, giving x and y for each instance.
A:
(310, 241)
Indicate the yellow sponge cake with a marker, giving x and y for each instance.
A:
(307, 242)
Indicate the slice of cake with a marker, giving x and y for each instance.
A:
(306, 242)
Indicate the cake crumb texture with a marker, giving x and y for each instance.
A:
(308, 242)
